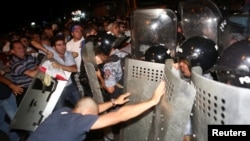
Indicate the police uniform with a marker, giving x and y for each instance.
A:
(113, 72)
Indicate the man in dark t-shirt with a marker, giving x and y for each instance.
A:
(64, 125)
(73, 124)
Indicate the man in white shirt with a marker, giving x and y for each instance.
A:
(74, 45)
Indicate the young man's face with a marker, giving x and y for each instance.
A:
(60, 47)
(77, 32)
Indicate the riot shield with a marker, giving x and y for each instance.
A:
(141, 79)
(217, 103)
(233, 28)
(173, 113)
(38, 102)
(152, 27)
(200, 18)
(168, 120)
(88, 56)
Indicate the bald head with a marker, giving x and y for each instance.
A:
(86, 105)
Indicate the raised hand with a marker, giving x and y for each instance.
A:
(122, 99)
(159, 92)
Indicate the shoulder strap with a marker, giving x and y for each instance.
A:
(112, 58)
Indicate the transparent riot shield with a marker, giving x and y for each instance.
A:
(38, 102)
(217, 103)
(88, 56)
(200, 18)
(233, 28)
(152, 27)
(166, 121)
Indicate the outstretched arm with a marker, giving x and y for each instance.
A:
(127, 112)
(39, 46)
(122, 99)
(72, 68)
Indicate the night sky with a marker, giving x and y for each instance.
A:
(14, 14)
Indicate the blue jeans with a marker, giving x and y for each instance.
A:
(71, 94)
(8, 106)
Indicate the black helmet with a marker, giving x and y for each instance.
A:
(198, 51)
(157, 54)
(233, 66)
(106, 43)
(119, 43)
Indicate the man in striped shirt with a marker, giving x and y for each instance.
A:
(23, 67)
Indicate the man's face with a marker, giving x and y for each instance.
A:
(184, 68)
(115, 29)
(77, 32)
(36, 37)
(25, 42)
(49, 32)
(60, 47)
(93, 32)
(122, 28)
(18, 50)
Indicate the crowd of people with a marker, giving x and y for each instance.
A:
(24, 52)
(76, 112)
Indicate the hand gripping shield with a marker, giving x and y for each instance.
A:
(167, 120)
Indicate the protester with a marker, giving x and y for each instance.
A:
(84, 117)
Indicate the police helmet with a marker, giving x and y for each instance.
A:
(106, 43)
(198, 51)
(157, 54)
(233, 65)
